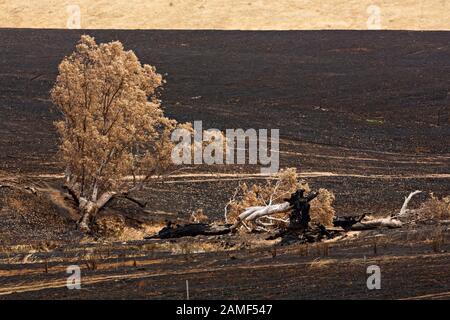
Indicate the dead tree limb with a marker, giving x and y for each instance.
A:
(403, 210)
(377, 223)
(347, 223)
(253, 213)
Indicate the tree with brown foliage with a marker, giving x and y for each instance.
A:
(114, 135)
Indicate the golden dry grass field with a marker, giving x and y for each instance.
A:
(230, 15)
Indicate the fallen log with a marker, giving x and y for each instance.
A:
(367, 223)
(298, 229)
(253, 213)
(292, 234)
(347, 223)
(377, 223)
(190, 230)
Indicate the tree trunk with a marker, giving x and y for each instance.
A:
(89, 208)
(89, 211)
(254, 213)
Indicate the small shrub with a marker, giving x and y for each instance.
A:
(198, 217)
(111, 226)
(435, 208)
(322, 210)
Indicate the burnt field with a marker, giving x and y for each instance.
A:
(365, 114)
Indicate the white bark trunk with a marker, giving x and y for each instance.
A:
(94, 193)
(90, 209)
(254, 213)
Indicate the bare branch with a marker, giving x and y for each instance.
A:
(403, 210)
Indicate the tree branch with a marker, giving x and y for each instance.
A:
(403, 210)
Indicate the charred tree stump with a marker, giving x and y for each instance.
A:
(299, 229)
(299, 217)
